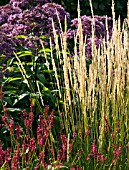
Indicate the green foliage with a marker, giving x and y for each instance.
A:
(19, 87)
(4, 2)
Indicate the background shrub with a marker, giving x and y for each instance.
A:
(101, 7)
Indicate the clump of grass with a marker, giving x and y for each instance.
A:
(101, 91)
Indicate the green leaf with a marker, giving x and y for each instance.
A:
(1, 105)
(36, 58)
(13, 79)
(14, 109)
(3, 167)
(55, 91)
(10, 90)
(61, 101)
(24, 53)
(45, 88)
(5, 131)
(43, 37)
(47, 50)
(42, 51)
(52, 98)
(8, 100)
(41, 77)
(19, 98)
(10, 61)
(64, 167)
(48, 71)
(20, 36)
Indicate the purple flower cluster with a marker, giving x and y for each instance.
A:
(37, 20)
(33, 21)
(24, 4)
(6, 45)
(100, 30)
(6, 11)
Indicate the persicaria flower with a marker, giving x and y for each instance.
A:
(32, 145)
(5, 110)
(5, 118)
(27, 123)
(74, 134)
(11, 125)
(118, 127)
(94, 148)
(31, 118)
(88, 158)
(7, 155)
(41, 155)
(2, 154)
(87, 131)
(15, 164)
(117, 152)
(18, 131)
(103, 158)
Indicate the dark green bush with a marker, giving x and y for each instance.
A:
(3, 2)
(100, 7)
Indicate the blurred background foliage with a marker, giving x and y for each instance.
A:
(101, 7)
(3, 2)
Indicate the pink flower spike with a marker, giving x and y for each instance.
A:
(103, 158)
(94, 148)
(117, 152)
(87, 132)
